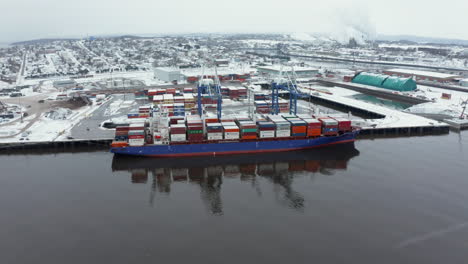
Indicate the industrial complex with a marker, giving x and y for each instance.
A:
(63, 92)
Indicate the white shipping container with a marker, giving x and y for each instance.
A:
(214, 136)
(136, 141)
(267, 134)
(283, 133)
(178, 137)
(231, 135)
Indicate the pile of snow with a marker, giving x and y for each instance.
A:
(435, 108)
(59, 114)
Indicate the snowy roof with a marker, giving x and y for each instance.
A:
(286, 68)
(423, 73)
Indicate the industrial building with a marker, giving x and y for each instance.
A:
(168, 74)
(422, 75)
(276, 70)
(64, 84)
(385, 81)
(464, 83)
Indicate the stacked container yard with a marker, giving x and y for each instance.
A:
(178, 132)
(248, 129)
(266, 129)
(144, 111)
(158, 99)
(179, 109)
(189, 102)
(169, 108)
(188, 90)
(242, 92)
(133, 115)
(283, 105)
(225, 92)
(171, 91)
(194, 129)
(168, 98)
(214, 131)
(329, 126)
(233, 93)
(262, 107)
(179, 99)
(260, 97)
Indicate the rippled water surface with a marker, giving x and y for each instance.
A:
(402, 200)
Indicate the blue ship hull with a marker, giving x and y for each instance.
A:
(228, 148)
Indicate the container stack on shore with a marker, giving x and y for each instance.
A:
(262, 107)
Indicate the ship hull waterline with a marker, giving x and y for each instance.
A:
(231, 148)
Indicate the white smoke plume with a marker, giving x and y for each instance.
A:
(345, 23)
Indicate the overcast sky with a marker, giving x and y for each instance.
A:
(30, 19)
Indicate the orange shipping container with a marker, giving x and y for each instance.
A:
(231, 130)
(249, 137)
(211, 120)
(314, 132)
(299, 129)
(118, 144)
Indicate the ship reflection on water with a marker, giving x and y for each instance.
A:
(208, 172)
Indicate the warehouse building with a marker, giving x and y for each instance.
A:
(64, 84)
(385, 81)
(168, 74)
(276, 70)
(422, 75)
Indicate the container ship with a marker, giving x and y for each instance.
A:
(175, 125)
(181, 136)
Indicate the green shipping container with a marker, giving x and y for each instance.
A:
(194, 131)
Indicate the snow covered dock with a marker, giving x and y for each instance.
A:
(388, 121)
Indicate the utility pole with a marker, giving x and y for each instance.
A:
(21, 109)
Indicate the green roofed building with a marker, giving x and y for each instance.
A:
(385, 81)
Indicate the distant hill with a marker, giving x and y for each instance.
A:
(41, 41)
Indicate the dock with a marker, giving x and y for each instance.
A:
(103, 143)
(456, 123)
(385, 121)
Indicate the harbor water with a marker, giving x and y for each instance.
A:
(393, 200)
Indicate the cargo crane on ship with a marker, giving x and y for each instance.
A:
(289, 84)
(212, 87)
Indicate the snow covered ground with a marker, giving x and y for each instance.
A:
(45, 128)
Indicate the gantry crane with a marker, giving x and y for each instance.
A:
(212, 87)
(286, 83)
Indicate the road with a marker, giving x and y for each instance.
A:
(89, 128)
